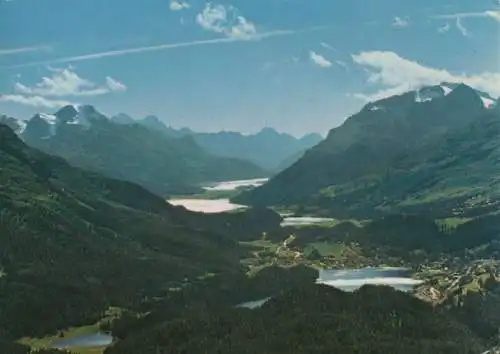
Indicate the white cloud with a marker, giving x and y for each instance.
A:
(66, 82)
(319, 60)
(35, 48)
(178, 5)
(395, 75)
(399, 22)
(34, 101)
(226, 20)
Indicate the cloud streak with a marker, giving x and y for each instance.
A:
(34, 101)
(493, 14)
(393, 75)
(461, 28)
(12, 51)
(160, 47)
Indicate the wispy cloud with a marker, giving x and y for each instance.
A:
(66, 82)
(226, 20)
(319, 60)
(34, 101)
(168, 46)
(342, 64)
(458, 18)
(392, 74)
(326, 46)
(399, 22)
(35, 48)
(114, 85)
(445, 28)
(178, 5)
(461, 28)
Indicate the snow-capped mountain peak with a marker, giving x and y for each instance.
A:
(429, 93)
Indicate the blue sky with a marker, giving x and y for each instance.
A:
(295, 65)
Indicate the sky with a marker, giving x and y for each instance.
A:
(241, 65)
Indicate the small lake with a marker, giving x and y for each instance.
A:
(352, 279)
(83, 341)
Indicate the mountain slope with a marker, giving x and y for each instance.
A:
(134, 153)
(392, 152)
(74, 243)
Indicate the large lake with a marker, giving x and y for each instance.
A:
(223, 205)
(217, 205)
(352, 279)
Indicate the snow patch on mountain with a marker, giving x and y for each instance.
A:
(488, 102)
(427, 94)
(447, 90)
(49, 118)
(376, 108)
(22, 126)
(52, 121)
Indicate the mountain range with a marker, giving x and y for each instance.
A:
(161, 163)
(268, 149)
(76, 242)
(434, 150)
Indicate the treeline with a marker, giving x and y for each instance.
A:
(214, 293)
(311, 319)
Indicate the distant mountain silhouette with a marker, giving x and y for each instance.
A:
(132, 152)
(269, 149)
